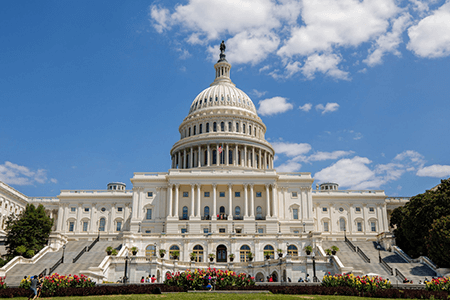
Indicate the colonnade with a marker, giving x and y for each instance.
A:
(271, 200)
(222, 154)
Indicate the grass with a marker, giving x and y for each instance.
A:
(206, 295)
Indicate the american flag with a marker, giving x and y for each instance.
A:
(220, 149)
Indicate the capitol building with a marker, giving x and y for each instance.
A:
(221, 200)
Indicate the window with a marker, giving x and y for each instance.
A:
(206, 194)
(185, 194)
(183, 230)
(238, 230)
(185, 213)
(73, 209)
(198, 250)
(294, 194)
(237, 127)
(258, 194)
(85, 226)
(358, 209)
(296, 232)
(243, 128)
(259, 213)
(119, 209)
(324, 209)
(103, 209)
(325, 226)
(371, 209)
(150, 250)
(189, 131)
(214, 126)
(250, 129)
(237, 211)
(268, 250)
(359, 226)
(342, 224)
(295, 214)
(119, 226)
(148, 231)
(86, 209)
(71, 226)
(222, 194)
(260, 230)
(341, 209)
(292, 250)
(373, 226)
(221, 230)
(102, 224)
(206, 212)
(149, 214)
(205, 230)
(174, 250)
(149, 194)
(229, 126)
(222, 126)
(243, 253)
(207, 127)
(200, 128)
(237, 194)
(195, 129)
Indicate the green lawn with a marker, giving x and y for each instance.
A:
(199, 296)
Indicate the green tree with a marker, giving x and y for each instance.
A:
(415, 219)
(30, 229)
(438, 241)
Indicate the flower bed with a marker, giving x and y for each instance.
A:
(362, 284)
(56, 281)
(199, 279)
(439, 284)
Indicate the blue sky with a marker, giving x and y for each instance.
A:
(355, 92)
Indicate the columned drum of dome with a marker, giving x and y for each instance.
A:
(222, 128)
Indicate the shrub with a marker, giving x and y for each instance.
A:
(362, 284)
(439, 284)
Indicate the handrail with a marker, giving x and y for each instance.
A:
(93, 243)
(362, 254)
(80, 254)
(386, 266)
(399, 274)
(350, 244)
(60, 261)
(44, 272)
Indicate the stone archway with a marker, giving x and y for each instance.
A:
(259, 277)
(221, 253)
(275, 276)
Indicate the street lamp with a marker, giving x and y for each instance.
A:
(155, 250)
(314, 268)
(62, 258)
(125, 278)
(379, 254)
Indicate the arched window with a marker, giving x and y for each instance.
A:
(222, 213)
(250, 129)
(243, 253)
(292, 250)
(185, 213)
(198, 250)
(237, 211)
(207, 127)
(195, 127)
(268, 250)
(101, 226)
(222, 126)
(200, 128)
(342, 224)
(214, 126)
(150, 250)
(174, 250)
(206, 213)
(229, 127)
(205, 158)
(243, 128)
(237, 127)
(189, 131)
(259, 213)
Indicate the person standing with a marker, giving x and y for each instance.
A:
(153, 279)
(33, 287)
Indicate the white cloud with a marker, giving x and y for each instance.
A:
(184, 53)
(11, 173)
(258, 93)
(291, 149)
(161, 18)
(53, 180)
(320, 156)
(438, 171)
(329, 107)
(431, 36)
(306, 107)
(323, 63)
(290, 166)
(273, 106)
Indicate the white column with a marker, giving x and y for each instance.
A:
(177, 194)
(217, 155)
(304, 200)
(245, 156)
(198, 200)
(245, 200)
(214, 214)
(191, 165)
(112, 216)
(179, 160)
(170, 214)
(252, 201)
(230, 200)
(60, 218)
(192, 200)
(199, 162)
(235, 156)
(93, 220)
(184, 158)
(275, 200)
(135, 203)
(267, 201)
(259, 159)
(265, 160)
(253, 157)
(208, 159)
(227, 156)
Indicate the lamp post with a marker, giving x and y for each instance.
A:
(62, 257)
(379, 254)
(125, 278)
(155, 249)
(314, 268)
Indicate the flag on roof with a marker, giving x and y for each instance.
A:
(220, 149)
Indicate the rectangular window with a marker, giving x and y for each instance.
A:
(149, 194)
(358, 209)
(359, 225)
(296, 232)
(260, 230)
(73, 209)
(71, 226)
(294, 195)
(183, 230)
(325, 226)
(119, 209)
(86, 209)
(258, 194)
(206, 194)
(371, 209)
(238, 230)
(324, 209)
(373, 226)
(205, 230)
(185, 194)
(295, 213)
(148, 231)
(237, 194)
(119, 226)
(149, 214)
(221, 230)
(85, 226)
(222, 194)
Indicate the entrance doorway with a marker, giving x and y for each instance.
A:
(221, 255)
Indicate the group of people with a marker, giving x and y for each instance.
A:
(36, 286)
(148, 279)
